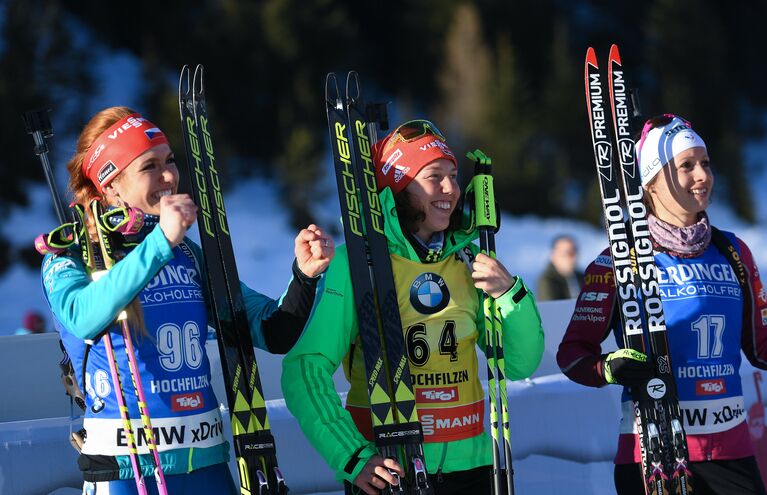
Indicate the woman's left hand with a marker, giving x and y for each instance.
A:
(314, 250)
(491, 276)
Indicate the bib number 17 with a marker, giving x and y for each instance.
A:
(710, 329)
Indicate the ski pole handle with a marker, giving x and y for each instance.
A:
(83, 239)
(485, 214)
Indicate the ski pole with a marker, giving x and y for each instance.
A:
(486, 220)
(97, 271)
(131, 222)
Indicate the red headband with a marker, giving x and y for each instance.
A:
(397, 165)
(118, 146)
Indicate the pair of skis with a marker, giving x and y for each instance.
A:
(656, 407)
(253, 441)
(38, 124)
(396, 428)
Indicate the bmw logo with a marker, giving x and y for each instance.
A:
(429, 293)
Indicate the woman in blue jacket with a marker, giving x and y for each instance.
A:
(126, 160)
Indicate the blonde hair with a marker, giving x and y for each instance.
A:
(84, 191)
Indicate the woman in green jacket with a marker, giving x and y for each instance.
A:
(439, 276)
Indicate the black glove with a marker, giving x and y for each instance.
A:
(626, 367)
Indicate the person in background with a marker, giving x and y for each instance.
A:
(33, 322)
(560, 279)
(162, 283)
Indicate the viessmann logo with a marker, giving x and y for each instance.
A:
(710, 387)
(186, 402)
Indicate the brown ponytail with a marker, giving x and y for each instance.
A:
(83, 191)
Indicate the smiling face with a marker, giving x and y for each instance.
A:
(142, 183)
(435, 192)
(682, 190)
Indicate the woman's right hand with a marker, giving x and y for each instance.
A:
(177, 213)
(375, 475)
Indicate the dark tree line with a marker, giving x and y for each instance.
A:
(503, 76)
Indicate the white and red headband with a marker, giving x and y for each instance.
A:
(118, 146)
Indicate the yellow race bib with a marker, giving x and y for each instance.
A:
(438, 306)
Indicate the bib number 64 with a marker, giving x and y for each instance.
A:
(418, 350)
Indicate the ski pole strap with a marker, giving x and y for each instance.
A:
(57, 240)
(484, 194)
(126, 221)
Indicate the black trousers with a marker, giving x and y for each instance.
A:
(729, 477)
(472, 481)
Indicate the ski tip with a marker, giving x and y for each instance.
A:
(331, 88)
(615, 55)
(184, 84)
(353, 83)
(591, 57)
(198, 83)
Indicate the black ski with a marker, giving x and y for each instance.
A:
(253, 441)
(674, 436)
(396, 427)
(663, 442)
